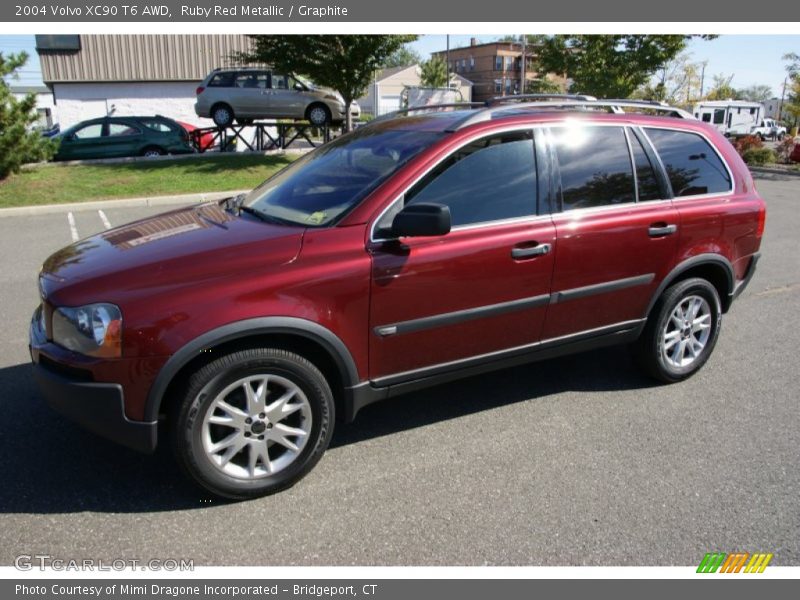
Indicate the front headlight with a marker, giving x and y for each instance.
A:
(93, 330)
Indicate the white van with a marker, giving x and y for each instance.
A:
(731, 117)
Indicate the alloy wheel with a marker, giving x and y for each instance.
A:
(687, 331)
(256, 426)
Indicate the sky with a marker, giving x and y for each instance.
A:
(752, 59)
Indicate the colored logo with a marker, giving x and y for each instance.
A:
(738, 562)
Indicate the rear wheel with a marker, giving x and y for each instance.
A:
(681, 332)
(253, 422)
(153, 151)
(222, 114)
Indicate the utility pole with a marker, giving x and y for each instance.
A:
(783, 95)
(522, 74)
(703, 79)
(448, 61)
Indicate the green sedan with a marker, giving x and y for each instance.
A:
(114, 137)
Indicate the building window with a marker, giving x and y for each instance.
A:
(498, 63)
(498, 86)
(509, 63)
(508, 83)
(471, 63)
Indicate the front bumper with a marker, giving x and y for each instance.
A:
(98, 407)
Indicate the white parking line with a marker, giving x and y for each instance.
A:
(104, 219)
(72, 229)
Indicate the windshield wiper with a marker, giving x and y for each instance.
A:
(262, 215)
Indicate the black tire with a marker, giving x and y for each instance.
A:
(318, 114)
(222, 115)
(202, 388)
(153, 151)
(649, 350)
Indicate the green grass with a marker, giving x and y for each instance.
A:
(78, 183)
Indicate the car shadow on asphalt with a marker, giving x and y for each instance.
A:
(53, 466)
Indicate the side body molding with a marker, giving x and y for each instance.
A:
(335, 347)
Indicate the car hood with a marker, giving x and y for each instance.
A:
(184, 246)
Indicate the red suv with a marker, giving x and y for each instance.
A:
(415, 250)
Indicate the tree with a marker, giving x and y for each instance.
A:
(402, 57)
(793, 68)
(611, 66)
(345, 63)
(19, 144)
(678, 81)
(792, 104)
(434, 73)
(542, 85)
(756, 93)
(721, 88)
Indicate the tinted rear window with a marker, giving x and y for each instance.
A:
(221, 80)
(692, 165)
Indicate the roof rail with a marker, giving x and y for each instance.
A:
(529, 97)
(612, 106)
(432, 107)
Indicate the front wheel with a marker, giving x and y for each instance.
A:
(253, 422)
(681, 332)
(319, 115)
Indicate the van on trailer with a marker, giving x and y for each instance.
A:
(731, 117)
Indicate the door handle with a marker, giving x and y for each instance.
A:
(659, 230)
(530, 251)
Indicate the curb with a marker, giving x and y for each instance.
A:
(44, 209)
(767, 170)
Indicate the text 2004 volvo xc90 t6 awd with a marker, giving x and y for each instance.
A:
(412, 251)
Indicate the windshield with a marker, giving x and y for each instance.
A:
(323, 185)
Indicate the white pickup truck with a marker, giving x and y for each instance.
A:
(769, 129)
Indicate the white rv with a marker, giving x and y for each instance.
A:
(731, 117)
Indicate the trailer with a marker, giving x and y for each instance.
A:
(733, 118)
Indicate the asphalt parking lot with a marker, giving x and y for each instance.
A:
(574, 461)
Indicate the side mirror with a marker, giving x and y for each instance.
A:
(299, 87)
(423, 219)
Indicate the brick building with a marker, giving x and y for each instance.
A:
(494, 68)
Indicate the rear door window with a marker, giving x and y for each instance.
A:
(157, 125)
(252, 80)
(693, 166)
(595, 166)
(120, 129)
(646, 179)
